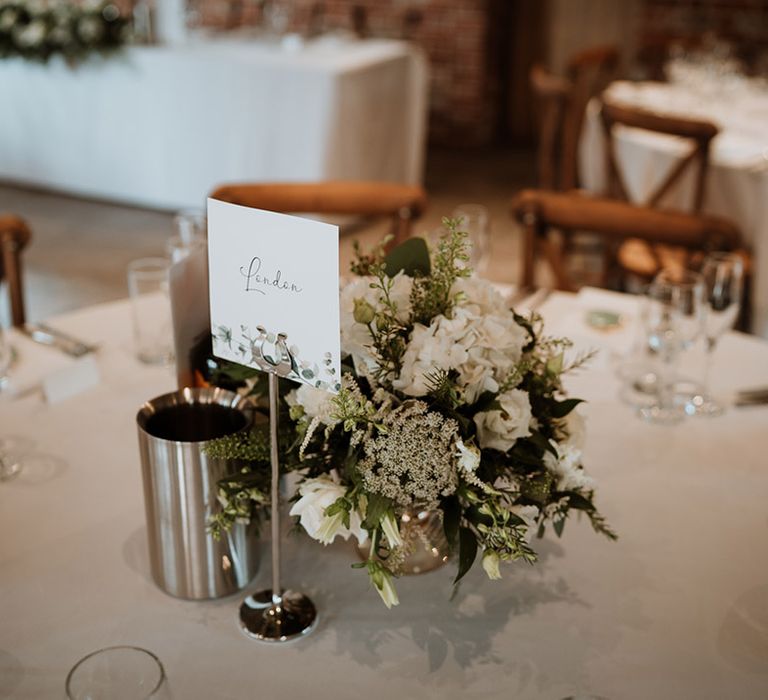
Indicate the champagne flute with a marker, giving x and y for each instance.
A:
(474, 220)
(674, 305)
(723, 275)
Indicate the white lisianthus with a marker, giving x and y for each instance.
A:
(469, 457)
(491, 564)
(566, 467)
(391, 531)
(317, 403)
(500, 428)
(382, 582)
(316, 496)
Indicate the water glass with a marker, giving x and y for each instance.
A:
(151, 309)
(5, 358)
(117, 673)
(672, 320)
(475, 221)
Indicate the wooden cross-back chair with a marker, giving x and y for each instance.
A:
(14, 237)
(638, 257)
(401, 203)
(562, 103)
(541, 212)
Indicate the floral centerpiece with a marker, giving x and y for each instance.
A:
(451, 404)
(39, 29)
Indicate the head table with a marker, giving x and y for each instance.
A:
(181, 120)
(677, 608)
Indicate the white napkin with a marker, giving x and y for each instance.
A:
(39, 367)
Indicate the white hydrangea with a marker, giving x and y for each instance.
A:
(500, 428)
(567, 469)
(479, 296)
(482, 348)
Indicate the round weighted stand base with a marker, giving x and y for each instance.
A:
(261, 619)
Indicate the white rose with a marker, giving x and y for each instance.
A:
(566, 467)
(316, 496)
(500, 428)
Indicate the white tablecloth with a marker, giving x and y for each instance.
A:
(677, 608)
(162, 126)
(737, 187)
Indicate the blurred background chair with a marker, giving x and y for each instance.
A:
(401, 203)
(562, 102)
(642, 258)
(14, 237)
(542, 213)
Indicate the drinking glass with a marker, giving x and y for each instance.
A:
(117, 673)
(723, 275)
(672, 318)
(474, 220)
(190, 230)
(5, 358)
(151, 307)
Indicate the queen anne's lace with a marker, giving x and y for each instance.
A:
(412, 461)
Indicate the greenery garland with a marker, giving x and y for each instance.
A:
(36, 30)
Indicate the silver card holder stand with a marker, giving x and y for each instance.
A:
(275, 615)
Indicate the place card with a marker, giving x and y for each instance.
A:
(274, 292)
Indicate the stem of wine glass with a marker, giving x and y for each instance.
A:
(711, 344)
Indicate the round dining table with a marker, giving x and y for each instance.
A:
(737, 183)
(676, 608)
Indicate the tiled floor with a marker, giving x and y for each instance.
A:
(81, 248)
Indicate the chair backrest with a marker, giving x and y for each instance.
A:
(589, 72)
(402, 203)
(553, 95)
(698, 133)
(14, 237)
(540, 211)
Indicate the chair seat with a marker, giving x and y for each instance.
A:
(645, 260)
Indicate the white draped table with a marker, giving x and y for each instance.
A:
(677, 608)
(161, 126)
(737, 187)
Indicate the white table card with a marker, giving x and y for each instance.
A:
(273, 274)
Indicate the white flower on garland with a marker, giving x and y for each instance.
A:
(566, 467)
(316, 496)
(500, 428)
(31, 35)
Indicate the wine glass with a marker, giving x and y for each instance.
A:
(474, 220)
(723, 275)
(672, 318)
(10, 461)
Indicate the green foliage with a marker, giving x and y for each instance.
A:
(410, 257)
(467, 552)
(431, 295)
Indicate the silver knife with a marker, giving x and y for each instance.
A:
(45, 335)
